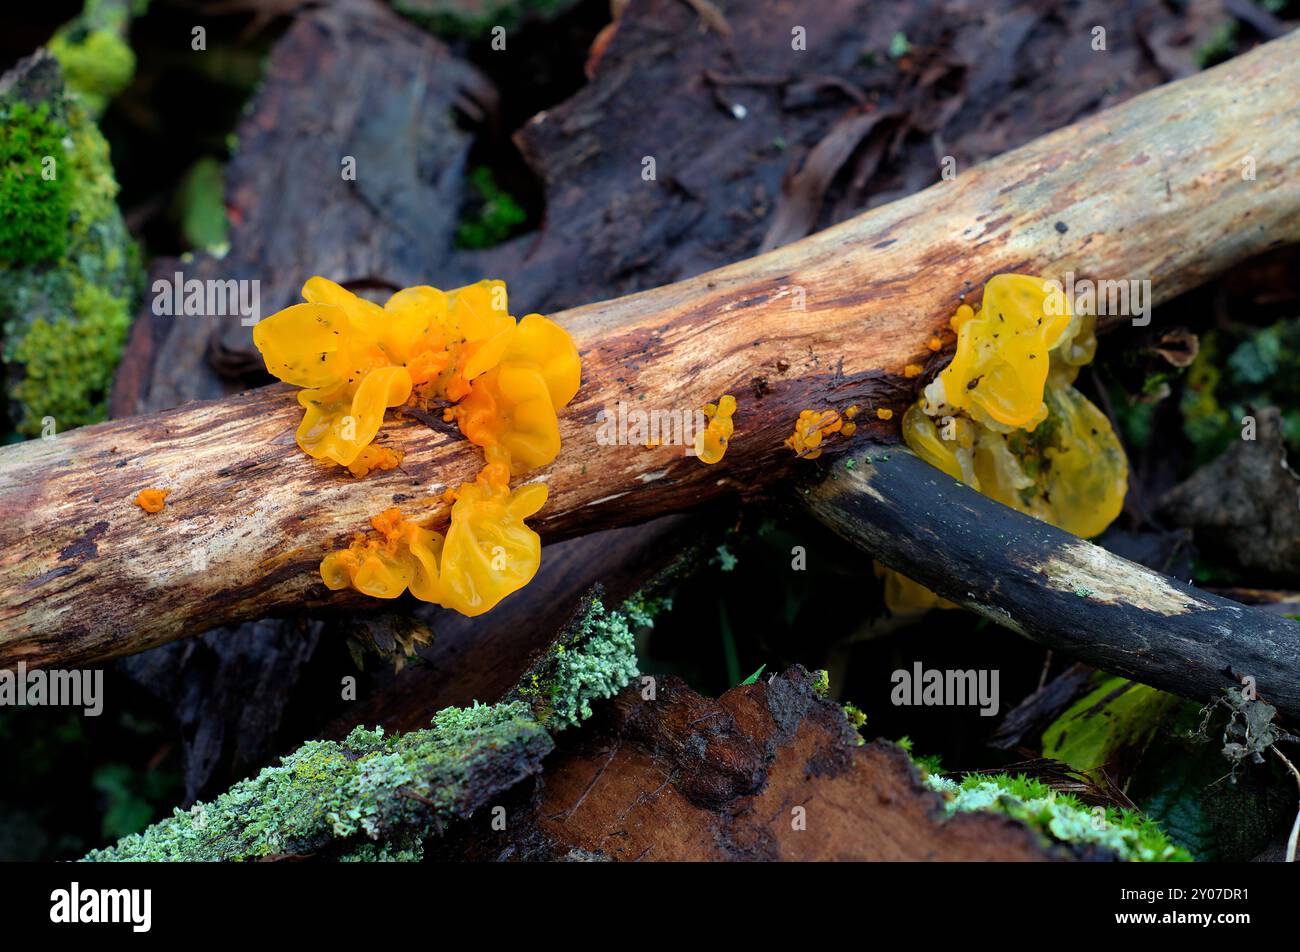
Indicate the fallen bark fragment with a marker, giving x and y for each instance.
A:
(833, 319)
(769, 771)
(1246, 503)
(1053, 587)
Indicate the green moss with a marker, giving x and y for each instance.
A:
(497, 215)
(332, 798)
(98, 64)
(857, 720)
(593, 659)
(200, 206)
(33, 206)
(92, 48)
(69, 363)
(65, 319)
(1221, 45)
(1060, 816)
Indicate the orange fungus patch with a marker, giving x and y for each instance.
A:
(506, 380)
(152, 500)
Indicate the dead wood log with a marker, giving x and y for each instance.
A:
(1055, 588)
(1152, 189)
(688, 778)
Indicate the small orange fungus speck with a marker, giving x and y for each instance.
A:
(884, 413)
(934, 343)
(373, 458)
(152, 500)
(913, 370)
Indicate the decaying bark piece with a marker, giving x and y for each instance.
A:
(1151, 189)
(684, 777)
(1246, 503)
(1055, 588)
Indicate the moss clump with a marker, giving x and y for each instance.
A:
(69, 363)
(330, 798)
(857, 720)
(497, 217)
(594, 658)
(1060, 816)
(33, 185)
(65, 318)
(97, 60)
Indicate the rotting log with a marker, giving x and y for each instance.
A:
(688, 778)
(1055, 588)
(1151, 189)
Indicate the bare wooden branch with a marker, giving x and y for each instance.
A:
(1055, 588)
(1151, 189)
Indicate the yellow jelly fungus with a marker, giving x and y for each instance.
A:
(505, 381)
(998, 372)
(812, 427)
(711, 444)
(486, 553)
(885, 413)
(152, 500)
(510, 409)
(913, 370)
(1063, 462)
(934, 343)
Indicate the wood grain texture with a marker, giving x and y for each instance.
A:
(1151, 189)
(1055, 588)
(689, 778)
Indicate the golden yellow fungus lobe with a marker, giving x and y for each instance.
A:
(913, 370)
(354, 359)
(884, 413)
(506, 381)
(152, 500)
(486, 554)
(511, 407)
(997, 374)
(934, 343)
(711, 444)
(1016, 429)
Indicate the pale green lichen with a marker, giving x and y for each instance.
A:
(642, 610)
(593, 659)
(1060, 816)
(330, 798)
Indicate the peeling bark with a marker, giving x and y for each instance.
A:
(767, 772)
